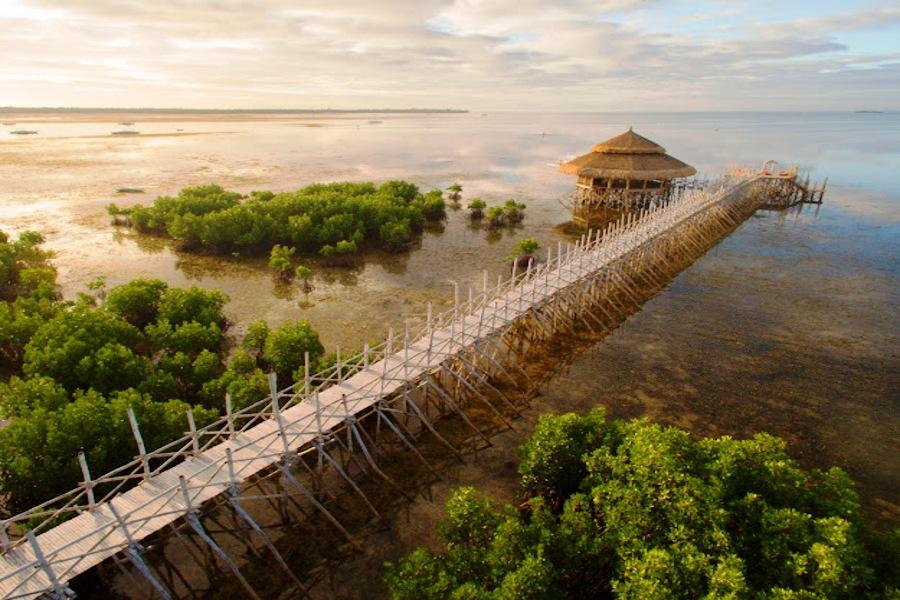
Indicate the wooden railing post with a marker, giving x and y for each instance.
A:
(88, 484)
(195, 438)
(138, 438)
(5, 544)
(229, 417)
(306, 373)
(58, 589)
(276, 411)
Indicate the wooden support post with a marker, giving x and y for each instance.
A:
(88, 484)
(195, 438)
(142, 452)
(5, 544)
(234, 502)
(383, 412)
(59, 590)
(456, 408)
(429, 426)
(197, 526)
(229, 415)
(133, 551)
(339, 366)
(351, 423)
(276, 412)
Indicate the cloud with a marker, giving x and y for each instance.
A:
(498, 54)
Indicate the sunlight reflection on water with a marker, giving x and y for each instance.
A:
(789, 325)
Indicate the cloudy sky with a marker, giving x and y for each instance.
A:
(567, 55)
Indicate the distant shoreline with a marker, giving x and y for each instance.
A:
(220, 111)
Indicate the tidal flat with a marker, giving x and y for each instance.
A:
(789, 326)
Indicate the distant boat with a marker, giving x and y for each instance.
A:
(126, 132)
(179, 130)
(877, 112)
(23, 132)
(374, 122)
(9, 124)
(127, 190)
(126, 123)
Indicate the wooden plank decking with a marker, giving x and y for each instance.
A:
(93, 536)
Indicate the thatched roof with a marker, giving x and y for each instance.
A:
(628, 156)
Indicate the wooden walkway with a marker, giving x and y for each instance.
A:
(110, 515)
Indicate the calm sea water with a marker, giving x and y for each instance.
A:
(790, 325)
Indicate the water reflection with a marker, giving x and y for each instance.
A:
(791, 323)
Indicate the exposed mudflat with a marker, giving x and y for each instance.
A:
(789, 326)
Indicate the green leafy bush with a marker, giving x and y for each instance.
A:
(39, 448)
(634, 510)
(396, 234)
(280, 259)
(86, 348)
(76, 367)
(494, 216)
(137, 301)
(208, 217)
(513, 211)
(183, 305)
(525, 248)
(433, 205)
(345, 247)
(255, 339)
(286, 345)
(476, 208)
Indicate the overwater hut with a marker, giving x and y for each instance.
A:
(623, 173)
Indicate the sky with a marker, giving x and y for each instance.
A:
(511, 55)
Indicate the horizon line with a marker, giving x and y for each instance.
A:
(150, 109)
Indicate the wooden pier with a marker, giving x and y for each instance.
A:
(784, 188)
(303, 445)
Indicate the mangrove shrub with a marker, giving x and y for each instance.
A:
(75, 368)
(618, 509)
(317, 215)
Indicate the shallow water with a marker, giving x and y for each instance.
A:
(790, 325)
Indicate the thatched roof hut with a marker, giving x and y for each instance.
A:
(628, 156)
(624, 173)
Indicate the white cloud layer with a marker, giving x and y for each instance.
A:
(482, 55)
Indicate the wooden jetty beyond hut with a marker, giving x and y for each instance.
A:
(623, 173)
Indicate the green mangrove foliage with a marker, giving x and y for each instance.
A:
(633, 510)
(455, 192)
(494, 217)
(280, 260)
(320, 215)
(304, 274)
(476, 209)
(525, 248)
(74, 368)
(511, 213)
(264, 350)
(27, 294)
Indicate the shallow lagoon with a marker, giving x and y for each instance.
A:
(790, 325)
